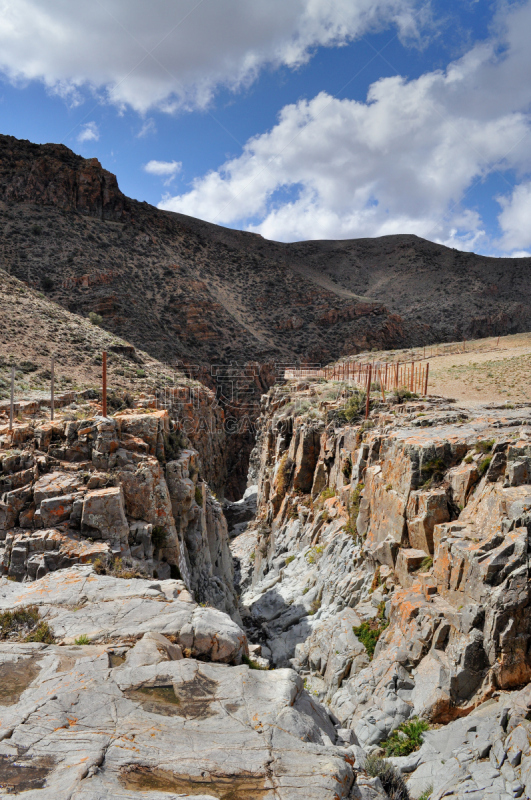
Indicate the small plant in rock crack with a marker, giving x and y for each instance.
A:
(433, 470)
(370, 631)
(485, 446)
(406, 738)
(484, 464)
(158, 537)
(253, 664)
(392, 781)
(82, 640)
(427, 793)
(313, 554)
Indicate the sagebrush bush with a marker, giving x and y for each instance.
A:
(392, 781)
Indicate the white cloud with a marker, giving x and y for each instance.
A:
(400, 162)
(148, 127)
(163, 169)
(171, 55)
(89, 133)
(515, 218)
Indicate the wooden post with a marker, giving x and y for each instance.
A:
(104, 385)
(52, 393)
(426, 382)
(12, 401)
(368, 401)
(382, 384)
(412, 376)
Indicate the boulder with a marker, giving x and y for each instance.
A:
(104, 517)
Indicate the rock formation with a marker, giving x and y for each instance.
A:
(390, 570)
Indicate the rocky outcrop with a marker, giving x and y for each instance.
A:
(122, 492)
(53, 175)
(395, 577)
(83, 726)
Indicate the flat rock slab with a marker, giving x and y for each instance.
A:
(78, 602)
(85, 728)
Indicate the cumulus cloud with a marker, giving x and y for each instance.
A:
(402, 161)
(174, 55)
(89, 133)
(163, 169)
(515, 218)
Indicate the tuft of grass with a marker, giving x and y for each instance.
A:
(392, 781)
(485, 446)
(83, 639)
(484, 464)
(469, 458)
(285, 469)
(313, 554)
(289, 559)
(315, 605)
(198, 496)
(252, 664)
(426, 564)
(353, 510)
(42, 633)
(426, 794)
(406, 738)
(326, 494)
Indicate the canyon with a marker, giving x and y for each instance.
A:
(235, 586)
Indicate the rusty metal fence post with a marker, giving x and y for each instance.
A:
(104, 385)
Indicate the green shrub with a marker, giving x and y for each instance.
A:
(406, 738)
(392, 781)
(24, 625)
(401, 395)
(96, 319)
(83, 639)
(158, 537)
(369, 632)
(47, 283)
(354, 408)
(198, 495)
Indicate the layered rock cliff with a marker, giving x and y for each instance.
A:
(389, 565)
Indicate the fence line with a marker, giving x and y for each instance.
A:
(387, 376)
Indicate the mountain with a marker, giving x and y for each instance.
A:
(203, 297)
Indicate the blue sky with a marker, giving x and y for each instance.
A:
(297, 119)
